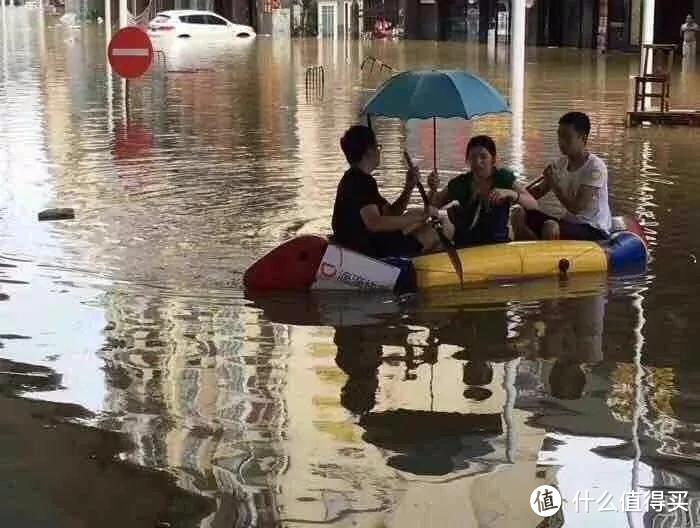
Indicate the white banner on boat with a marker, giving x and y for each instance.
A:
(342, 269)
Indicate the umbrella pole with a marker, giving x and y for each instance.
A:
(369, 121)
(435, 144)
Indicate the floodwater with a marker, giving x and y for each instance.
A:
(445, 409)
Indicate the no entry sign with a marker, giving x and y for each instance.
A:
(130, 52)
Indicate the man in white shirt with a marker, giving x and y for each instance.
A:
(580, 181)
(688, 32)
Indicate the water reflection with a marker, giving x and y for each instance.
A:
(463, 391)
(247, 405)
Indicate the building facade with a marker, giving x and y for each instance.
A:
(468, 20)
(602, 24)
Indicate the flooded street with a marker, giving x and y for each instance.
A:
(441, 409)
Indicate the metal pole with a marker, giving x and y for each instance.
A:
(517, 81)
(4, 45)
(123, 14)
(126, 101)
(108, 21)
(435, 144)
(110, 100)
(123, 22)
(108, 68)
(42, 30)
(647, 32)
(517, 45)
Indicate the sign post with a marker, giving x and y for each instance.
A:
(130, 54)
(123, 14)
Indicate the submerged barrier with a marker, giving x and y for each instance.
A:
(160, 59)
(315, 82)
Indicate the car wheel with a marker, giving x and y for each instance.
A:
(243, 35)
(183, 36)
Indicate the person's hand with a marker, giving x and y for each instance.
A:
(423, 215)
(550, 175)
(499, 196)
(419, 217)
(412, 178)
(433, 181)
(432, 212)
(417, 214)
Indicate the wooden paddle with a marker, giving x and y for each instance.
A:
(437, 224)
(534, 183)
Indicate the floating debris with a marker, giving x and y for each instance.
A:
(63, 213)
(13, 336)
(69, 19)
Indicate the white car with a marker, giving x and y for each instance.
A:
(195, 24)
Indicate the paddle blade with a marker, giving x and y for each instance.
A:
(456, 262)
(451, 251)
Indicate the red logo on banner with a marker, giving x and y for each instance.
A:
(328, 270)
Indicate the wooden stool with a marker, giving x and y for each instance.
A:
(661, 74)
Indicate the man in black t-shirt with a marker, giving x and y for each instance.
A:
(362, 219)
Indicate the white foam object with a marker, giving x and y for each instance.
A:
(69, 19)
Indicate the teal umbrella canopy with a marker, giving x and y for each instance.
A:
(435, 94)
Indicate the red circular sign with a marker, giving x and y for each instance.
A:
(130, 52)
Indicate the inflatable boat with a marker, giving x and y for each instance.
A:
(316, 263)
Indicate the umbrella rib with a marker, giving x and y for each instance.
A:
(413, 97)
(465, 114)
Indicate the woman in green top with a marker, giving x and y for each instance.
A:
(484, 194)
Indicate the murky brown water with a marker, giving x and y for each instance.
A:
(303, 410)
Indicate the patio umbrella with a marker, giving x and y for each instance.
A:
(435, 94)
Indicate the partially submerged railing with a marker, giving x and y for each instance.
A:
(315, 82)
(373, 62)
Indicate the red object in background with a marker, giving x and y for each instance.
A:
(130, 52)
(291, 266)
(132, 141)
